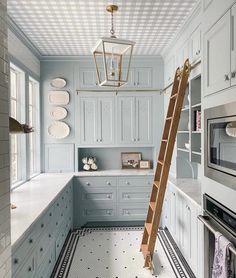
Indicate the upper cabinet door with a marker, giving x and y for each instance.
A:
(126, 120)
(143, 113)
(87, 78)
(88, 120)
(106, 120)
(169, 70)
(143, 77)
(195, 47)
(217, 56)
(233, 46)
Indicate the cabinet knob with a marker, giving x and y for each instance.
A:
(127, 182)
(148, 196)
(87, 183)
(108, 212)
(226, 77)
(127, 212)
(100, 140)
(30, 240)
(233, 74)
(108, 183)
(16, 261)
(49, 261)
(41, 249)
(30, 269)
(49, 236)
(42, 225)
(109, 196)
(50, 214)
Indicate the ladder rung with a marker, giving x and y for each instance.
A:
(152, 205)
(157, 184)
(161, 162)
(168, 118)
(164, 140)
(148, 227)
(174, 96)
(144, 249)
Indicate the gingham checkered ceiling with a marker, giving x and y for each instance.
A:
(72, 27)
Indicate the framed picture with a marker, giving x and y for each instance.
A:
(130, 160)
(144, 164)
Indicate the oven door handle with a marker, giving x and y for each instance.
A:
(205, 221)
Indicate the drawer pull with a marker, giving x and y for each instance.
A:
(30, 240)
(58, 204)
(16, 261)
(62, 197)
(30, 269)
(62, 214)
(109, 196)
(56, 223)
(49, 261)
(57, 245)
(50, 214)
(42, 225)
(41, 249)
(49, 235)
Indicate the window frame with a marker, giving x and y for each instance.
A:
(25, 77)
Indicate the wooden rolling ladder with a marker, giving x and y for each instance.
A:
(163, 163)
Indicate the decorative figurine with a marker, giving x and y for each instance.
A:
(90, 163)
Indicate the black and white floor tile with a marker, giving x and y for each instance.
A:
(114, 253)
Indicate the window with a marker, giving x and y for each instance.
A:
(24, 107)
(16, 86)
(33, 116)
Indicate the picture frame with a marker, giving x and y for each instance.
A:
(144, 164)
(130, 160)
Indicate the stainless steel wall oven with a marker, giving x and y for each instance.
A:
(220, 144)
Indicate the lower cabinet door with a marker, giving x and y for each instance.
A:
(46, 268)
(137, 211)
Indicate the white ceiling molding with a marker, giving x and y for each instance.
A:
(72, 27)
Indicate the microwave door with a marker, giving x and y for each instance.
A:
(221, 151)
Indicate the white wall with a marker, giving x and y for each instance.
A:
(22, 53)
(5, 244)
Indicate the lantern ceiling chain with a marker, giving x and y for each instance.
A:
(111, 9)
(112, 31)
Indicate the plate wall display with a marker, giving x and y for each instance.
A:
(59, 97)
(58, 130)
(58, 83)
(58, 113)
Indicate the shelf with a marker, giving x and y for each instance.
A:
(185, 109)
(198, 153)
(183, 150)
(183, 131)
(196, 132)
(196, 105)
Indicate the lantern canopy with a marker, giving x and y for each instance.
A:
(112, 58)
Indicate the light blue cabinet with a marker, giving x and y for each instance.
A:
(97, 120)
(135, 120)
(99, 199)
(36, 253)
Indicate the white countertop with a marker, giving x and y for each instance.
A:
(190, 187)
(121, 172)
(32, 198)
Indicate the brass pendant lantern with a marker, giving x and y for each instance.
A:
(112, 57)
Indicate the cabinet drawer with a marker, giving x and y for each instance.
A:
(134, 194)
(98, 212)
(147, 181)
(97, 181)
(131, 212)
(27, 270)
(101, 194)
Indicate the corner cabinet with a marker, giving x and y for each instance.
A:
(135, 120)
(97, 120)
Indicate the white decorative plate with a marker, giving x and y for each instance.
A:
(231, 129)
(58, 83)
(59, 130)
(58, 113)
(59, 97)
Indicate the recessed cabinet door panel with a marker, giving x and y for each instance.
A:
(143, 77)
(126, 120)
(144, 120)
(87, 78)
(233, 46)
(217, 56)
(106, 120)
(173, 215)
(195, 45)
(88, 108)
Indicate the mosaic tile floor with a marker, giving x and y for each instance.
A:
(113, 253)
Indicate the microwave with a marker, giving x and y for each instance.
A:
(220, 144)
